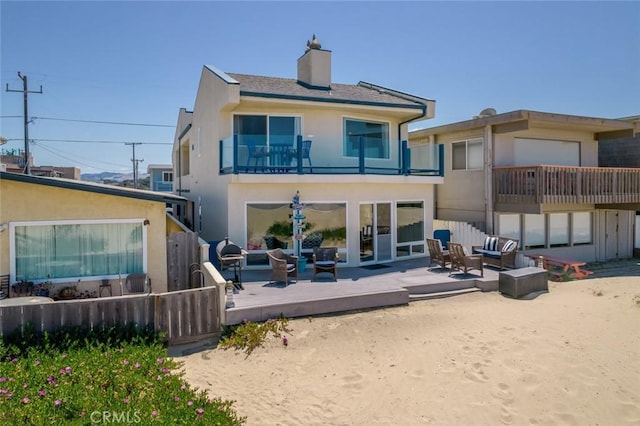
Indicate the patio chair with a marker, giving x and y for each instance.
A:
(283, 266)
(463, 261)
(274, 243)
(437, 254)
(138, 283)
(313, 240)
(444, 235)
(256, 153)
(306, 151)
(22, 288)
(325, 259)
(4, 286)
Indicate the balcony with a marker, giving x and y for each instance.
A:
(525, 189)
(422, 160)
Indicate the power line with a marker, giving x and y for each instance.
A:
(103, 122)
(98, 141)
(74, 160)
(92, 121)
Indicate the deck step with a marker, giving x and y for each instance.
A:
(441, 294)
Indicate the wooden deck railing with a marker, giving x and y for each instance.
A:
(566, 185)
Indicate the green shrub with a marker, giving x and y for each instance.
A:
(117, 375)
(250, 335)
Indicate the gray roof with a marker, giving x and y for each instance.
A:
(362, 93)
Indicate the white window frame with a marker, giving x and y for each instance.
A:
(164, 177)
(268, 115)
(466, 143)
(12, 243)
(365, 120)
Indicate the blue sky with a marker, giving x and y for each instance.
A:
(139, 62)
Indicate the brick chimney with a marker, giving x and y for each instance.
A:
(314, 67)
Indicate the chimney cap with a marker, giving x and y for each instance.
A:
(313, 44)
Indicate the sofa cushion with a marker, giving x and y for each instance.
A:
(490, 243)
(509, 246)
(489, 253)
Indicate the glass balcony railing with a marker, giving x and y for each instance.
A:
(298, 158)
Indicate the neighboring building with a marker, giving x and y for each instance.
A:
(160, 177)
(239, 156)
(15, 163)
(534, 176)
(73, 231)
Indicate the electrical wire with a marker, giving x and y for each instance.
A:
(102, 122)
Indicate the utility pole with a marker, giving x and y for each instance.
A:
(26, 92)
(135, 162)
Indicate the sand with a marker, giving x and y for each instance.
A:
(567, 357)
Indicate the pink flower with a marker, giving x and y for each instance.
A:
(126, 400)
(159, 360)
(57, 402)
(68, 369)
(24, 386)
(176, 399)
(125, 362)
(199, 411)
(190, 403)
(183, 387)
(154, 413)
(2, 379)
(159, 378)
(38, 362)
(42, 392)
(285, 341)
(137, 365)
(14, 360)
(25, 400)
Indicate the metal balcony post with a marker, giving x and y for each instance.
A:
(441, 160)
(299, 153)
(235, 154)
(361, 155)
(406, 158)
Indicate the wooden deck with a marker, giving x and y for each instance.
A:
(357, 288)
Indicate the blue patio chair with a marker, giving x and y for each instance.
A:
(257, 153)
(306, 150)
(444, 235)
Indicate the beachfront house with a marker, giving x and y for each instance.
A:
(535, 176)
(252, 142)
(81, 234)
(160, 177)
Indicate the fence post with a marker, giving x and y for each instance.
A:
(361, 155)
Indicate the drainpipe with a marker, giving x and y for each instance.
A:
(488, 176)
(422, 115)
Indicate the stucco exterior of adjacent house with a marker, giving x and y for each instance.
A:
(160, 177)
(78, 232)
(535, 176)
(359, 175)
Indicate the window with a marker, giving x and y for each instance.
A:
(77, 250)
(409, 228)
(467, 155)
(558, 229)
(545, 151)
(534, 231)
(167, 176)
(374, 136)
(509, 226)
(269, 226)
(581, 228)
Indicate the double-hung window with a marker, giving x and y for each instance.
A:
(374, 137)
(467, 154)
(167, 176)
(77, 249)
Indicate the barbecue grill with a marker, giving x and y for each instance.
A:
(231, 255)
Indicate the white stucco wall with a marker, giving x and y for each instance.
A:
(352, 194)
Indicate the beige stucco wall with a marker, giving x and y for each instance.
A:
(212, 121)
(20, 202)
(353, 194)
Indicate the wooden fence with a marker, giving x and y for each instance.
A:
(185, 316)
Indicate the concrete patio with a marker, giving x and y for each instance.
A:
(389, 284)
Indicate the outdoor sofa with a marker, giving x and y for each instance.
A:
(498, 251)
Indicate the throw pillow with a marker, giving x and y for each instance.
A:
(490, 243)
(509, 246)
